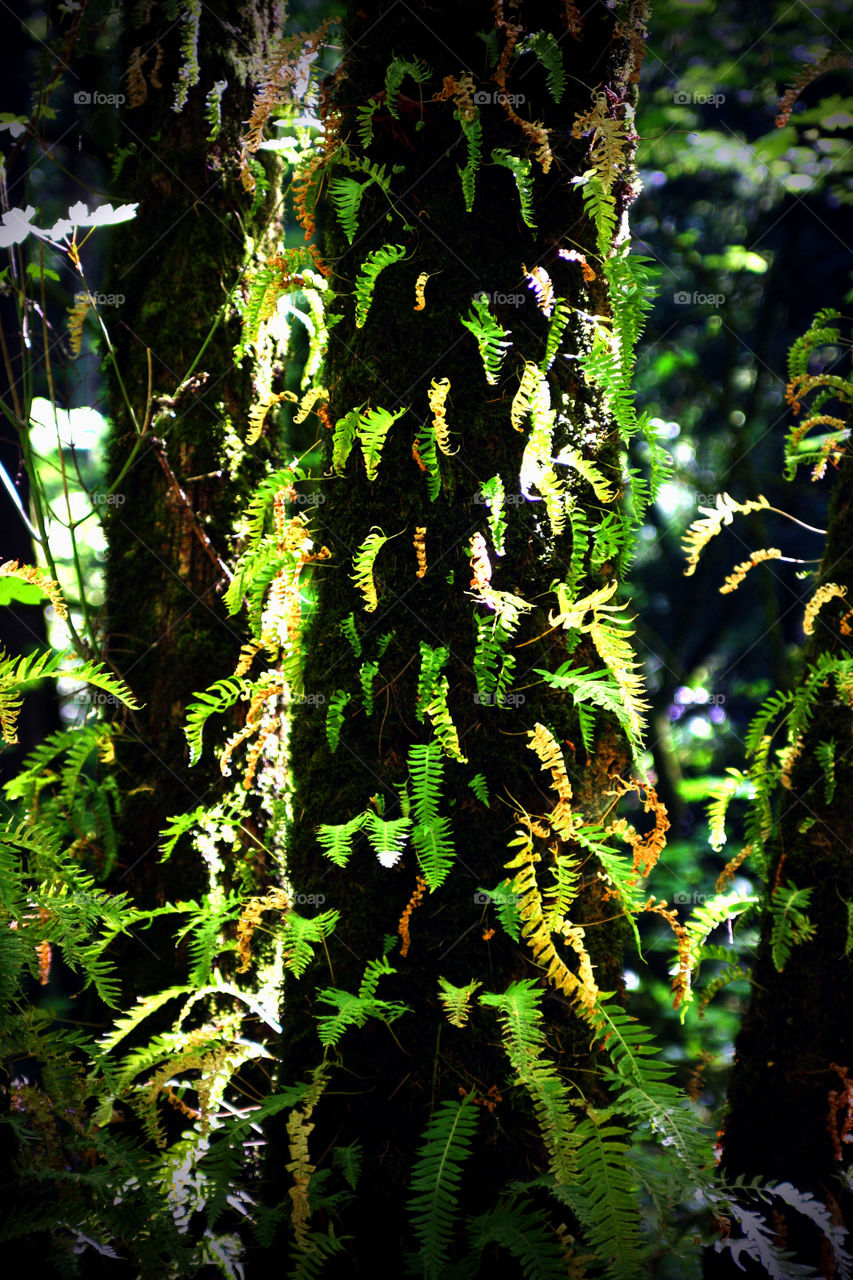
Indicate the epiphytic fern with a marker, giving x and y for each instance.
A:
(335, 716)
(436, 1180)
(480, 788)
(216, 698)
(346, 195)
(343, 439)
(456, 1000)
(336, 838)
(433, 843)
(556, 328)
(367, 673)
(365, 283)
(547, 49)
(494, 496)
(472, 128)
(526, 1234)
(396, 73)
(354, 1010)
(492, 338)
(425, 453)
(519, 167)
(363, 564)
(387, 837)
(432, 661)
(520, 1016)
(373, 426)
(791, 925)
(301, 933)
(439, 713)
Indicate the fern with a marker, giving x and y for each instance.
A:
(445, 730)
(825, 753)
(432, 661)
(367, 673)
(520, 168)
(600, 207)
(691, 949)
(364, 115)
(604, 1197)
(790, 925)
(346, 195)
(425, 450)
(363, 561)
(718, 807)
(597, 687)
(365, 283)
(494, 495)
(505, 901)
(435, 1183)
(526, 1234)
(335, 716)
(472, 128)
(492, 338)
(544, 44)
(354, 1010)
(456, 1000)
(348, 629)
(396, 73)
(300, 934)
(434, 846)
(426, 769)
(524, 1041)
(556, 328)
(336, 838)
(217, 698)
(387, 838)
(480, 788)
(373, 427)
(343, 439)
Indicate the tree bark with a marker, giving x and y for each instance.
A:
(387, 1080)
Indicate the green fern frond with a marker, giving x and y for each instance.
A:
(600, 207)
(387, 837)
(217, 698)
(348, 629)
(525, 1232)
(354, 1010)
(705, 918)
(791, 925)
(426, 447)
(432, 661)
(721, 796)
(301, 933)
(544, 44)
(364, 117)
(494, 496)
(520, 1016)
(825, 753)
(343, 439)
(820, 332)
(365, 283)
(505, 901)
(336, 838)
(456, 1000)
(472, 128)
(396, 73)
(480, 788)
(373, 427)
(520, 168)
(556, 328)
(492, 338)
(433, 843)
(335, 716)
(436, 1182)
(346, 196)
(426, 770)
(445, 730)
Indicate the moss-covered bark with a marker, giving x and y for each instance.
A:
(789, 1100)
(386, 1080)
(174, 268)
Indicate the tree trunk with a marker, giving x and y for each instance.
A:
(179, 473)
(390, 1076)
(789, 1116)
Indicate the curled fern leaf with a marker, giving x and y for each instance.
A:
(520, 168)
(365, 283)
(492, 338)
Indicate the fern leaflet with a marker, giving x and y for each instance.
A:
(436, 1179)
(365, 283)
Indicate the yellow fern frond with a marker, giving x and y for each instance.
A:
(420, 550)
(306, 404)
(437, 395)
(610, 139)
(525, 395)
(540, 282)
(702, 531)
(363, 565)
(543, 742)
(602, 488)
(420, 284)
(76, 316)
(740, 571)
(828, 591)
(37, 578)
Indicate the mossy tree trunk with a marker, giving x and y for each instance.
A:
(178, 487)
(790, 1104)
(387, 1077)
